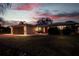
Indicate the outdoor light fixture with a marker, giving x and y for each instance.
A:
(38, 29)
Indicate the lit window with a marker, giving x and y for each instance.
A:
(38, 29)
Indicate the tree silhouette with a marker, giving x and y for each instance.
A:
(53, 31)
(67, 31)
(70, 29)
(44, 21)
(21, 23)
(71, 22)
(3, 7)
(5, 30)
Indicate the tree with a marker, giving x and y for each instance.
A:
(4, 6)
(71, 28)
(71, 22)
(67, 31)
(21, 23)
(4, 30)
(44, 21)
(53, 31)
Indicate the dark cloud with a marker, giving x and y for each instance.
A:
(55, 10)
(73, 14)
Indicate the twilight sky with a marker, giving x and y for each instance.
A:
(31, 12)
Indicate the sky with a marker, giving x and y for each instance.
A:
(31, 12)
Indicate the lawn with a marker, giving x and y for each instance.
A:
(40, 46)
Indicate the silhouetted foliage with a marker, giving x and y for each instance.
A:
(67, 31)
(2, 30)
(53, 31)
(70, 22)
(44, 21)
(70, 29)
(5, 30)
(21, 23)
(74, 29)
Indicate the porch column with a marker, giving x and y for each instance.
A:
(44, 29)
(25, 30)
(11, 29)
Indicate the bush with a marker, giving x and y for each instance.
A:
(53, 31)
(67, 31)
(5, 30)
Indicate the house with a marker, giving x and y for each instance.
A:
(29, 29)
(23, 29)
(74, 26)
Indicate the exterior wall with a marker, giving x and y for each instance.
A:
(18, 29)
(22, 30)
(30, 29)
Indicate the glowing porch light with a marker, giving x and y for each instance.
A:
(38, 29)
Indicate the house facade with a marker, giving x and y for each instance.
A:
(29, 29)
(22, 29)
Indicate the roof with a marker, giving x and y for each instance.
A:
(54, 24)
(60, 23)
(23, 25)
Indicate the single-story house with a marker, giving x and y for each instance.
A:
(28, 29)
(24, 29)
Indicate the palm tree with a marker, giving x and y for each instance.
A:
(3, 7)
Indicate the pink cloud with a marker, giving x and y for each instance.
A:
(56, 17)
(27, 6)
